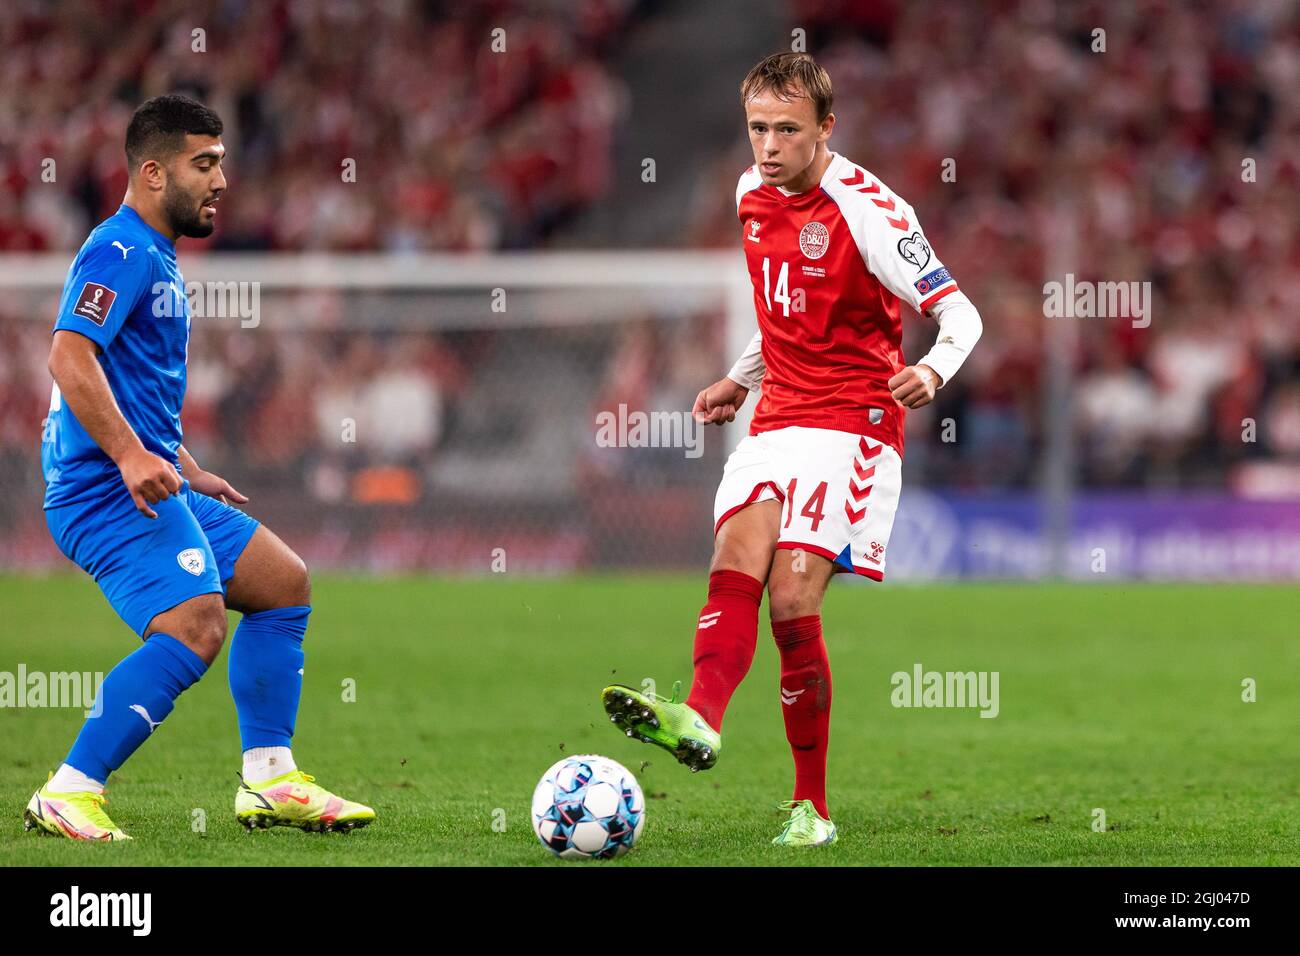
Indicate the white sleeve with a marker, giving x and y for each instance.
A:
(890, 239)
(960, 328)
(895, 250)
(749, 368)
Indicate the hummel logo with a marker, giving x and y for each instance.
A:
(125, 249)
(753, 230)
(708, 620)
(145, 714)
(788, 697)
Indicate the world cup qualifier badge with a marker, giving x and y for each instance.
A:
(814, 239)
(94, 302)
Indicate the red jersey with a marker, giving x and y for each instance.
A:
(829, 267)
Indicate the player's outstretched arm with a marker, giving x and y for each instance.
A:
(85, 390)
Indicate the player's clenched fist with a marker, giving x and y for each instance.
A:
(719, 402)
(914, 386)
(148, 478)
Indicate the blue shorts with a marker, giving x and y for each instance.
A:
(146, 565)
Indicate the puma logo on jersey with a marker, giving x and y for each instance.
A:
(139, 709)
(788, 697)
(125, 249)
(708, 620)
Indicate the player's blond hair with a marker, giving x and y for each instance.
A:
(788, 76)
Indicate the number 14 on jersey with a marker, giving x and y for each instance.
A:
(781, 294)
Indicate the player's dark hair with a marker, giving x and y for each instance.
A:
(790, 75)
(158, 127)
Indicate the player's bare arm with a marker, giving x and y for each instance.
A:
(84, 388)
(206, 482)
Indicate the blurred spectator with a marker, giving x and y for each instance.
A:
(360, 125)
(1172, 158)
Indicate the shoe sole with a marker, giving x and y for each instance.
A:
(809, 846)
(30, 824)
(632, 715)
(261, 821)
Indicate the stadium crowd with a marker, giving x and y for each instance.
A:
(1173, 157)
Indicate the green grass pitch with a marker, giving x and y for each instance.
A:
(1125, 698)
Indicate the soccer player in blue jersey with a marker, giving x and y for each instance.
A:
(129, 504)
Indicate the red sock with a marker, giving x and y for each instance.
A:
(806, 703)
(724, 642)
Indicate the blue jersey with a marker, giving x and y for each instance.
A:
(125, 293)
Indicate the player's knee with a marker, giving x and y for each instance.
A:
(789, 598)
(736, 553)
(298, 581)
(204, 629)
(736, 559)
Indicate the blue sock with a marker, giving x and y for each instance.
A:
(135, 697)
(266, 674)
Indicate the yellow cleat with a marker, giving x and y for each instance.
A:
(295, 800)
(77, 816)
(806, 827)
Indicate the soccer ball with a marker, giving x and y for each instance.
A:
(588, 808)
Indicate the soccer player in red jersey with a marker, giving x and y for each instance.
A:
(833, 253)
